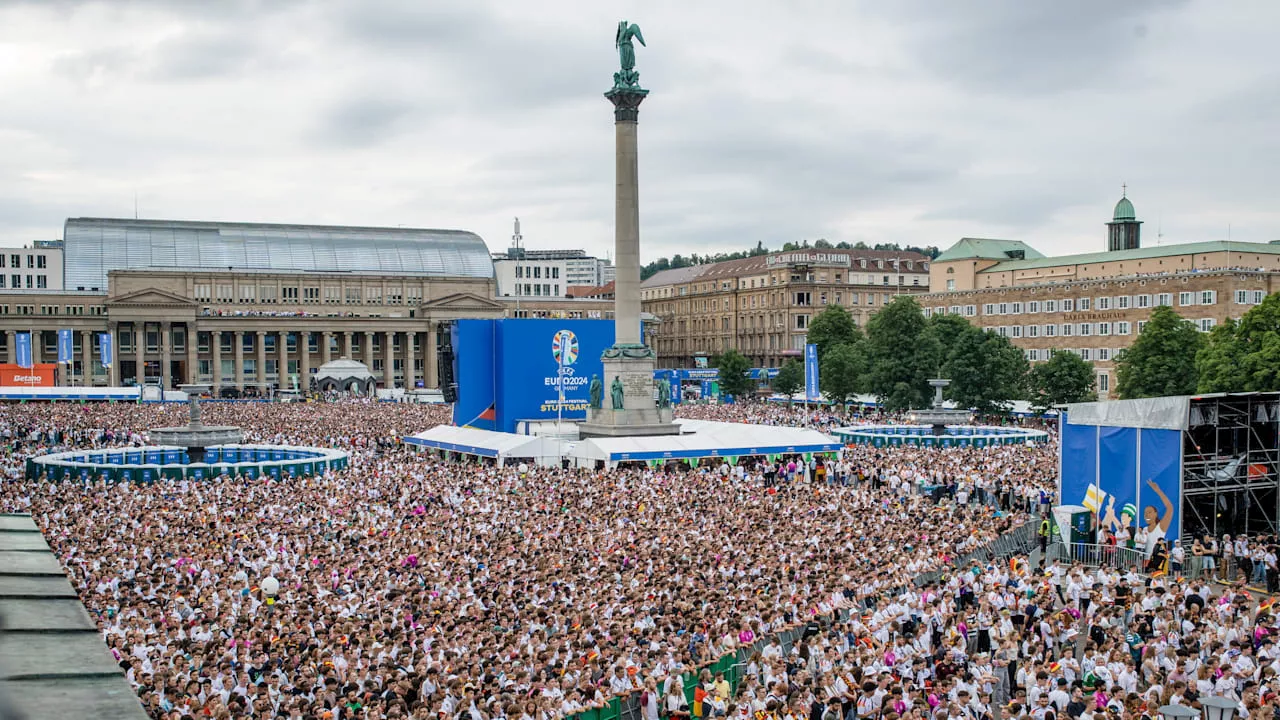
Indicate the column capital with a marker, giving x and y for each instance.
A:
(261, 332)
(626, 103)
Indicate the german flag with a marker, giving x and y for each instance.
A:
(490, 413)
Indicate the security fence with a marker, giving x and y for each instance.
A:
(1018, 541)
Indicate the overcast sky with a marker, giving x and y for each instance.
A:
(881, 121)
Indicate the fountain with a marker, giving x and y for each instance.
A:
(195, 436)
(939, 417)
(939, 426)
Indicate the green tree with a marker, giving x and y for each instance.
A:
(842, 372)
(1220, 363)
(1257, 338)
(901, 355)
(987, 372)
(947, 329)
(790, 378)
(833, 326)
(1063, 378)
(733, 368)
(1162, 361)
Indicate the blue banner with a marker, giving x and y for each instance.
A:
(66, 346)
(677, 392)
(811, 391)
(22, 342)
(104, 349)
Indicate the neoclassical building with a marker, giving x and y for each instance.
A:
(255, 305)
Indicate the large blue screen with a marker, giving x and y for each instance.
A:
(510, 370)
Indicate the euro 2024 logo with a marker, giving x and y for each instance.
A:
(564, 348)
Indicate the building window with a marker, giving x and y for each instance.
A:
(248, 293)
(1017, 330)
(1068, 329)
(1050, 330)
(351, 295)
(289, 293)
(802, 322)
(41, 262)
(1122, 302)
(951, 286)
(1208, 297)
(1186, 298)
(202, 292)
(1086, 354)
(1033, 307)
(1003, 309)
(1206, 324)
(1257, 297)
(1068, 305)
(1017, 308)
(42, 282)
(1122, 327)
(1242, 297)
(30, 282)
(1104, 354)
(1050, 306)
(988, 309)
(1104, 303)
(31, 262)
(1165, 299)
(311, 294)
(1142, 301)
(970, 310)
(1033, 331)
(1087, 328)
(1142, 324)
(1104, 383)
(1083, 304)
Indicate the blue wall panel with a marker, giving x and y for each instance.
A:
(1079, 462)
(1160, 490)
(473, 371)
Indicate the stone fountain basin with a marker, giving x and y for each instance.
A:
(197, 436)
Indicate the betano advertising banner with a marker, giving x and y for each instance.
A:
(38, 375)
(513, 370)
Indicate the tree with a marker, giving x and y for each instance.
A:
(947, 329)
(790, 378)
(842, 372)
(987, 372)
(901, 356)
(833, 326)
(1064, 378)
(733, 368)
(1162, 361)
(1219, 364)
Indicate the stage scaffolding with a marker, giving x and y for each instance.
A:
(1230, 463)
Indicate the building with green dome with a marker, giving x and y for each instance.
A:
(1124, 232)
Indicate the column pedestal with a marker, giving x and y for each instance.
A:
(639, 414)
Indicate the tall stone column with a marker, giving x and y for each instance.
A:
(37, 347)
(430, 371)
(326, 338)
(11, 346)
(215, 349)
(282, 366)
(348, 350)
(237, 343)
(368, 350)
(304, 361)
(261, 364)
(192, 339)
(166, 361)
(627, 406)
(139, 352)
(86, 358)
(389, 361)
(410, 375)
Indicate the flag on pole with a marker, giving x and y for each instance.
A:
(23, 348)
(66, 346)
(104, 349)
(811, 392)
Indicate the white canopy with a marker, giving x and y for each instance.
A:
(704, 439)
(488, 443)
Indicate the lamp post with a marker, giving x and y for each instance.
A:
(1218, 708)
(1177, 712)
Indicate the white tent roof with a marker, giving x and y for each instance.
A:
(485, 443)
(705, 438)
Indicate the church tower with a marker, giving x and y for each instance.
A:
(1124, 232)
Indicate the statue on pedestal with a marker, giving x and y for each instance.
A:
(627, 77)
(596, 391)
(664, 393)
(615, 392)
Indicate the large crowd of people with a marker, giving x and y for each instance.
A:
(411, 586)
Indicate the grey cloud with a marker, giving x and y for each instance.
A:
(1016, 48)
(363, 121)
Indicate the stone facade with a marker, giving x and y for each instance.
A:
(761, 306)
(240, 329)
(1097, 318)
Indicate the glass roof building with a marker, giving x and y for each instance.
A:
(95, 246)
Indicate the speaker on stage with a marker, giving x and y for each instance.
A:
(444, 362)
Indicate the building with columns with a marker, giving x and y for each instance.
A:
(253, 305)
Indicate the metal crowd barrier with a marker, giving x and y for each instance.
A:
(1094, 555)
